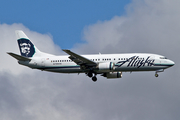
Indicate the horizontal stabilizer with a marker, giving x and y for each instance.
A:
(18, 57)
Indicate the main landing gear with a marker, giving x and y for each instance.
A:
(94, 78)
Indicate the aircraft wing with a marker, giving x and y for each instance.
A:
(80, 60)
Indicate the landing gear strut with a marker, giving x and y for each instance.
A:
(156, 74)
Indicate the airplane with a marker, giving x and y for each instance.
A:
(108, 65)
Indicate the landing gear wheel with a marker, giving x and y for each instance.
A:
(94, 78)
(90, 74)
(156, 75)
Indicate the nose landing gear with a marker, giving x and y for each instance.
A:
(156, 73)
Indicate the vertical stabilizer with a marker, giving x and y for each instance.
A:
(26, 47)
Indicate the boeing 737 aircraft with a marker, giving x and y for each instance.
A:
(108, 65)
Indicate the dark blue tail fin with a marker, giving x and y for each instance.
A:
(26, 47)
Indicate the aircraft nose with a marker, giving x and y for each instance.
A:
(171, 63)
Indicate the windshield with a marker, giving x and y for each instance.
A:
(163, 57)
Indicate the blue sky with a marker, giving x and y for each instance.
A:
(64, 20)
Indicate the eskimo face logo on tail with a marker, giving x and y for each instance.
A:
(26, 48)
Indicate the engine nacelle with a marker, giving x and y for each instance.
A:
(106, 67)
(113, 75)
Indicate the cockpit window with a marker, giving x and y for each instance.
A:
(163, 58)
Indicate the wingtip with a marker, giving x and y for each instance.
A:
(65, 50)
(9, 53)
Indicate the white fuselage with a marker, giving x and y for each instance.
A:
(122, 62)
(108, 65)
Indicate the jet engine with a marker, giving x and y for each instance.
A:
(106, 67)
(113, 75)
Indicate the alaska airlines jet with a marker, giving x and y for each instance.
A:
(108, 65)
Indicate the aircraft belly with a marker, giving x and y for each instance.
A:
(64, 69)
